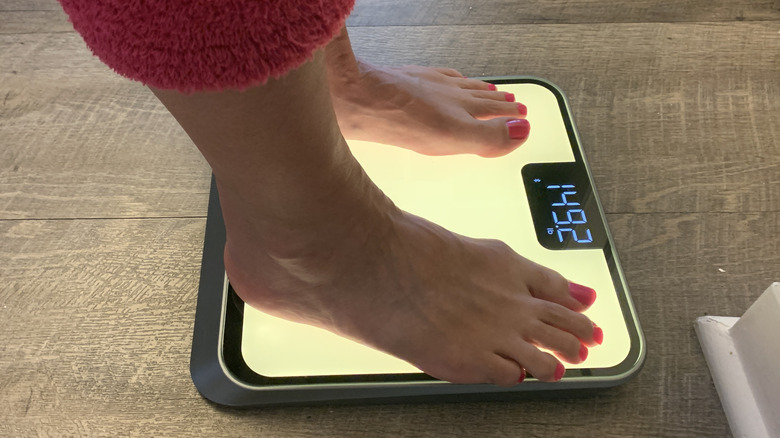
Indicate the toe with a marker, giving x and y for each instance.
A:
(583, 294)
(476, 85)
(546, 284)
(569, 321)
(496, 137)
(499, 96)
(518, 129)
(449, 72)
(484, 109)
(564, 344)
(504, 372)
(502, 135)
(543, 366)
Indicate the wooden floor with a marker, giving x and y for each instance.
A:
(103, 203)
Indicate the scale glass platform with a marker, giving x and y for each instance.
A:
(539, 199)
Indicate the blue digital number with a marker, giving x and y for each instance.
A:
(581, 220)
(570, 219)
(566, 192)
(573, 232)
(574, 216)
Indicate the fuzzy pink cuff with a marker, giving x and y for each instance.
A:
(193, 45)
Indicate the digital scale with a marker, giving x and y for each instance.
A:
(539, 199)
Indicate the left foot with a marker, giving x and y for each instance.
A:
(433, 111)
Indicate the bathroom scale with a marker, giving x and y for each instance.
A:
(539, 199)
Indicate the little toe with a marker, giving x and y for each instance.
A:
(543, 366)
(504, 372)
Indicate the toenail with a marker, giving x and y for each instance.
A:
(559, 371)
(598, 334)
(522, 375)
(509, 97)
(522, 109)
(583, 294)
(518, 129)
(583, 353)
(492, 87)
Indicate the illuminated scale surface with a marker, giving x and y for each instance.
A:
(493, 198)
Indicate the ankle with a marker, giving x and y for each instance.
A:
(341, 64)
(308, 227)
(276, 264)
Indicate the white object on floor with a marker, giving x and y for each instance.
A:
(744, 358)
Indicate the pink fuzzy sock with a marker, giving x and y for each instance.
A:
(194, 45)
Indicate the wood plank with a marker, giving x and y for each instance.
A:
(680, 122)
(97, 318)
(84, 142)
(451, 12)
(23, 16)
(29, 5)
(689, 129)
(32, 21)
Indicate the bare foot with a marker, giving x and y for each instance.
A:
(310, 238)
(460, 309)
(433, 111)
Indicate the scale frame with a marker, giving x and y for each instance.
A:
(218, 381)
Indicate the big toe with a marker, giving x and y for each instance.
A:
(499, 136)
(546, 284)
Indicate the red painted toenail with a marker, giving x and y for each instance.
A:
(559, 371)
(522, 109)
(583, 353)
(522, 376)
(598, 334)
(492, 87)
(509, 97)
(518, 129)
(583, 294)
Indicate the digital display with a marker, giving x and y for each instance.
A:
(563, 207)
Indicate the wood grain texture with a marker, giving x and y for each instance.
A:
(83, 142)
(29, 16)
(660, 125)
(97, 319)
(102, 199)
(29, 5)
(21, 22)
(449, 12)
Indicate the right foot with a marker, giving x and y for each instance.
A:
(460, 309)
(310, 238)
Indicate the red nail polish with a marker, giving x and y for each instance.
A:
(583, 294)
(583, 353)
(522, 109)
(509, 97)
(559, 371)
(492, 87)
(522, 376)
(598, 334)
(518, 129)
